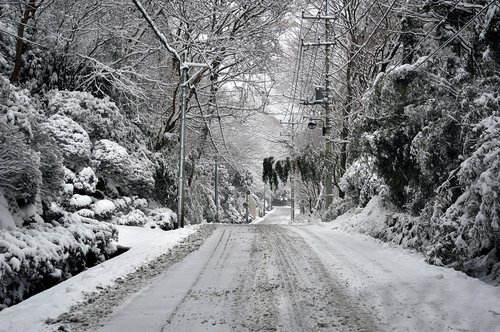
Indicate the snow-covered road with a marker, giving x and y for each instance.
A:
(245, 278)
(275, 276)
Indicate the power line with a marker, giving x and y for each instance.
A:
(454, 36)
(368, 39)
(426, 37)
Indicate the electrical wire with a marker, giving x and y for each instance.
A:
(447, 42)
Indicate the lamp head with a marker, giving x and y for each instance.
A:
(311, 124)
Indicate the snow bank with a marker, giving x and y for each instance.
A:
(145, 245)
(42, 254)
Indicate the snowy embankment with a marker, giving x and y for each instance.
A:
(408, 293)
(145, 245)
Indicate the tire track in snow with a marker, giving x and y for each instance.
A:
(244, 278)
(197, 280)
(316, 300)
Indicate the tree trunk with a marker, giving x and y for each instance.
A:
(29, 12)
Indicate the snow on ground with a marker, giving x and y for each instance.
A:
(145, 245)
(407, 293)
(260, 219)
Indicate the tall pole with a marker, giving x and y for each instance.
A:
(264, 201)
(246, 206)
(327, 105)
(182, 154)
(216, 188)
(327, 111)
(292, 177)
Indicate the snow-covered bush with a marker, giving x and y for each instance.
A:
(7, 41)
(86, 181)
(126, 204)
(78, 201)
(71, 138)
(87, 213)
(34, 258)
(337, 208)
(19, 108)
(20, 176)
(104, 209)
(51, 164)
(470, 227)
(122, 172)
(133, 218)
(361, 182)
(405, 230)
(6, 219)
(163, 218)
(100, 117)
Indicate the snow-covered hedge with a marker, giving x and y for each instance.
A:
(36, 257)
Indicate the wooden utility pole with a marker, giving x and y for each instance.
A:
(292, 176)
(327, 105)
(216, 185)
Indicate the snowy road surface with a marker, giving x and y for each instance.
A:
(306, 278)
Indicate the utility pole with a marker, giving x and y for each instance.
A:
(292, 176)
(264, 201)
(246, 205)
(326, 99)
(216, 179)
(182, 154)
(184, 67)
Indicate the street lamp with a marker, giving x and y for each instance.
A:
(312, 124)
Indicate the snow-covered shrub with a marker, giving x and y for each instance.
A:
(360, 181)
(491, 32)
(133, 218)
(71, 138)
(78, 201)
(7, 39)
(19, 108)
(87, 213)
(122, 172)
(51, 164)
(405, 230)
(163, 218)
(20, 175)
(337, 208)
(101, 118)
(139, 203)
(26, 215)
(69, 176)
(470, 227)
(104, 209)
(6, 219)
(126, 204)
(86, 181)
(34, 258)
